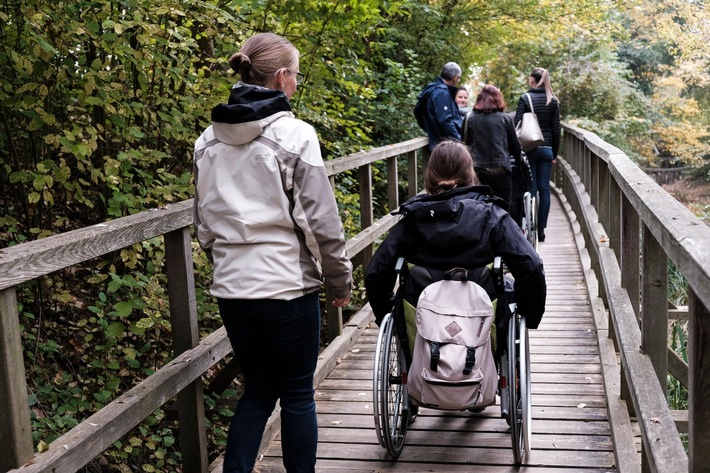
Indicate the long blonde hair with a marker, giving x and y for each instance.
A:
(542, 79)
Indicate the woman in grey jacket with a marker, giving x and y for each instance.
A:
(267, 218)
(547, 109)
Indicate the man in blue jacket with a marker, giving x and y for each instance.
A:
(436, 111)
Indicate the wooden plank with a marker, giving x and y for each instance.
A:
(483, 439)
(353, 161)
(37, 258)
(274, 465)
(470, 454)
(15, 426)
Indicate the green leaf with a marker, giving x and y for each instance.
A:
(115, 329)
(124, 308)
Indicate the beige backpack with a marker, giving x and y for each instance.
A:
(452, 363)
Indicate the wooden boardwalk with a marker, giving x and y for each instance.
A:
(570, 426)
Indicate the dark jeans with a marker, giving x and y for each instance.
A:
(276, 343)
(540, 160)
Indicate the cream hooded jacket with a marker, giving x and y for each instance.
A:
(264, 208)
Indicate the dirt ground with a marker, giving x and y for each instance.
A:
(694, 194)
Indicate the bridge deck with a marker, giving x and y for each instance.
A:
(570, 425)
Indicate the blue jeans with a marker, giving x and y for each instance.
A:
(276, 344)
(540, 160)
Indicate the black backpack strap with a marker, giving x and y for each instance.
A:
(470, 360)
(435, 355)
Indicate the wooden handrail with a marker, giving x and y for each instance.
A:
(192, 357)
(632, 228)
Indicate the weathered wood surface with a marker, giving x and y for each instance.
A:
(571, 430)
(682, 238)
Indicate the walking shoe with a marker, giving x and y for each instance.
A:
(413, 413)
(541, 235)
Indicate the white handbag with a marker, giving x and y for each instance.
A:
(528, 130)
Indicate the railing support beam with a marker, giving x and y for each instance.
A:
(15, 426)
(185, 334)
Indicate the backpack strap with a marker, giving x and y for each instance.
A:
(435, 355)
(470, 360)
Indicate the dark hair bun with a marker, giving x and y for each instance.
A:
(239, 62)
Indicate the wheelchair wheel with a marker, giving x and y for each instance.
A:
(530, 219)
(389, 393)
(520, 410)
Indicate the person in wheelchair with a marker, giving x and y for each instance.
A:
(460, 226)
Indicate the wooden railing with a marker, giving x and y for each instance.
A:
(192, 356)
(632, 228)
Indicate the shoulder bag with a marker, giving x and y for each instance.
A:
(528, 130)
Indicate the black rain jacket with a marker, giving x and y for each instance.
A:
(461, 227)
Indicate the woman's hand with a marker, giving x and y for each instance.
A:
(342, 302)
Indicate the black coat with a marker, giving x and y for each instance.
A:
(457, 228)
(548, 116)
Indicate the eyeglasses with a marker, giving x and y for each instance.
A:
(299, 76)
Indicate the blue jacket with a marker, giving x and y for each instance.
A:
(437, 112)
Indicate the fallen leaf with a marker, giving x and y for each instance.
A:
(42, 446)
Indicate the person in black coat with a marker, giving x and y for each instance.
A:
(456, 224)
(489, 133)
(547, 109)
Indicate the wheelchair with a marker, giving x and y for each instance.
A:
(391, 404)
(524, 205)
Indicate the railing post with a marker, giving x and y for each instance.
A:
(392, 184)
(412, 184)
(367, 217)
(15, 425)
(185, 334)
(333, 314)
(592, 185)
(615, 218)
(699, 384)
(654, 306)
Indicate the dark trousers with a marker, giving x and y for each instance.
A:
(540, 160)
(276, 343)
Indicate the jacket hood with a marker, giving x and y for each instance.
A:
(451, 197)
(249, 110)
(435, 84)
